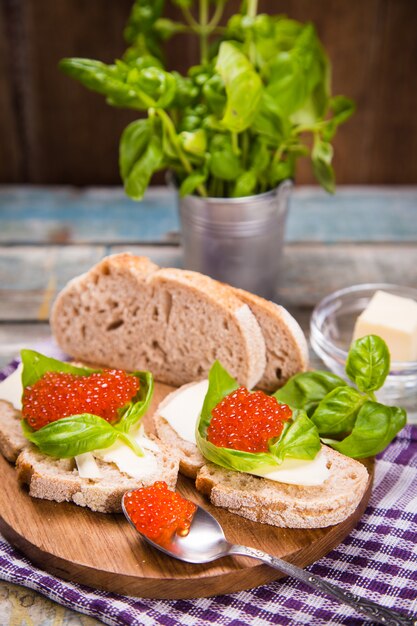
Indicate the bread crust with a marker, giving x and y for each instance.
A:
(268, 502)
(12, 440)
(286, 345)
(59, 480)
(189, 457)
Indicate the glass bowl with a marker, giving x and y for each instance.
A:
(331, 329)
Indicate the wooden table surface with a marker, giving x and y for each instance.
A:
(48, 235)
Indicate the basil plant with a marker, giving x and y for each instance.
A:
(236, 123)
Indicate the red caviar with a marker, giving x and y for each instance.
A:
(157, 512)
(247, 421)
(58, 394)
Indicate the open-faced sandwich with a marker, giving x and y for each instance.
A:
(286, 459)
(76, 435)
(265, 457)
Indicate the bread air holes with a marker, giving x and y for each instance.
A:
(114, 325)
(278, 373)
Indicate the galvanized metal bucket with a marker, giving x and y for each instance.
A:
(237, 240)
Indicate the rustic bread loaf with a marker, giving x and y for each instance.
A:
(58, 479)
(293, 506)
(286, 345)
(127, 313)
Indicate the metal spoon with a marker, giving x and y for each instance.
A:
(206, 542)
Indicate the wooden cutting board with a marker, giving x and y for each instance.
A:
(103, 551)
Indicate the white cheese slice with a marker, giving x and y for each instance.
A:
(87, 466)
(11, 388)
(183, 410)
(393, 318)
(182, 414)
(128, 462)
(300, 472)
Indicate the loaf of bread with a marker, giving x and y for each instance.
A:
(293, 506)
(129, 314)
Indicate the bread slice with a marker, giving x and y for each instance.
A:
(12, 440)
(127, 313)
(286, 345)
(189, 456)
(293, 506)
(58, 479)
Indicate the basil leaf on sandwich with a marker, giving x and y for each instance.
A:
(76, 434)
(299, 438)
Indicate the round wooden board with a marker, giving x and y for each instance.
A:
(103, 551)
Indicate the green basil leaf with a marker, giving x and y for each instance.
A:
(133, 143)
(138, 406)
(306, 390)
(194, 142)
(243, 87)
(375, 427)
(236, 460)
(140, 175)
(336, 413)
(368, 363)
(300, 439)
(191, 182)
(321, 158)
(245, 184)
(215, 94)
(220, 385)
(342, 109)
(35, 365)
(71, 436)
(224, 163)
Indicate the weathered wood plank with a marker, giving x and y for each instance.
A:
(66, 215)
(11, 150)
(31, 276)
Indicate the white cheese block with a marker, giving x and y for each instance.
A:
(182, 413)
(11, 388)
(183, 410)
(395, 320)
(87, 466)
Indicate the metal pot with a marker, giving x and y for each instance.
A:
(237, 240)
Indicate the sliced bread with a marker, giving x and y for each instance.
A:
(127, 313)
(286, 345)
(12, 440)
(293, 506)
(189, 456)
(58, 480)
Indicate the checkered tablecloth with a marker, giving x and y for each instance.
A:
(377, 560)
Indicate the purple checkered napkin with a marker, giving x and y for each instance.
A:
(378, 560)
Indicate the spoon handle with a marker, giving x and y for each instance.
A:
(375, 611)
